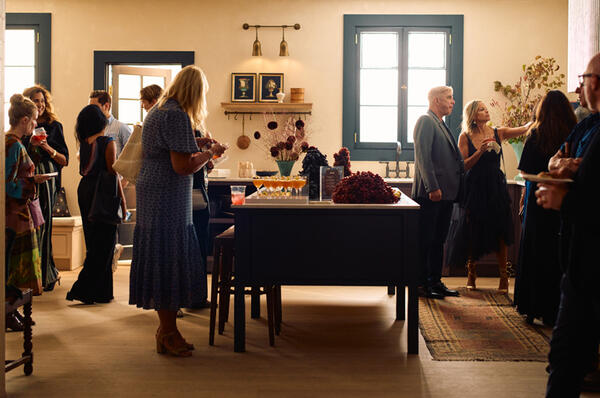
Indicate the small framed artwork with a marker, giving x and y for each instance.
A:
(269, 84)
(243, 87)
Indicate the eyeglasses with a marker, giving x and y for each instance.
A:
(582, 77)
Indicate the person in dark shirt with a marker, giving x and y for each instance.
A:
(537, 285)
(574, 343)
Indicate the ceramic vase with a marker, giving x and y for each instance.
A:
(285, 167)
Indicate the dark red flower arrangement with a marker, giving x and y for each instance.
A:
(342, 158)
(363, 187)
(284, 141)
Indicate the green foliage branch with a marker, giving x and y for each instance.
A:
(518, 101)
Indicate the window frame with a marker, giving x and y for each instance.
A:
(102, 59)
(41, 23)
(353, 25)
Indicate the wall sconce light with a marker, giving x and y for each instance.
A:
(283, 46)
(256, 47)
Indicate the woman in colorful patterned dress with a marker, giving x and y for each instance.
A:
(167, 260)
(51, 155)
(24, 267)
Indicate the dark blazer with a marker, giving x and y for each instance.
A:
(581, 212)
(438, 162)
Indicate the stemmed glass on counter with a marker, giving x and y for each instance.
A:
(279, 187)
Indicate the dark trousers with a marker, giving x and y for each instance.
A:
(574, 343)
(201, 218)
(94, 283)
(434, 221)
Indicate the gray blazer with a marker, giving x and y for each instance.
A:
(438, 162)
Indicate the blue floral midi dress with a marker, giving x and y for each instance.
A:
(167, 265)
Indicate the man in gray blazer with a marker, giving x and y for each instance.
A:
(439, 171)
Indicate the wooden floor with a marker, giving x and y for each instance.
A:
(335, 342)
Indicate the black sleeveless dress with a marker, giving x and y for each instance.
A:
(486, 217)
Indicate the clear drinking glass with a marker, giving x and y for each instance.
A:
(238, 194)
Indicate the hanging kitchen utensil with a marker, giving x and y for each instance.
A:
(243, 141)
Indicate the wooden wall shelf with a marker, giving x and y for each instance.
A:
(257, 108)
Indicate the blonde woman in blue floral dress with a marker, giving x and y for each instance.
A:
(167, 260)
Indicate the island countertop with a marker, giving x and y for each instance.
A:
(403, 204)
(237, 180)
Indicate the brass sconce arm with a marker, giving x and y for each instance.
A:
(283, 46)
(247, 26)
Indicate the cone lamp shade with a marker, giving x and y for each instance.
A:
(256, 47)
(283, 46)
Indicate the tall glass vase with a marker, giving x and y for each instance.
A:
(285, 167)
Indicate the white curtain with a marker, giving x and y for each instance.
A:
(584, 39)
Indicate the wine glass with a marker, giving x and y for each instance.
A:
(300, 183)
(268, 183)
(278, 184)
(288, 186)
(257, 181)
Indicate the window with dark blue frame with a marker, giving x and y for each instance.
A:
(390, 63)
(27, 53)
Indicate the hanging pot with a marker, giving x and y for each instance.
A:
(243, 142)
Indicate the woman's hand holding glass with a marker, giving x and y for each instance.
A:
(205, 142)
(218, 149)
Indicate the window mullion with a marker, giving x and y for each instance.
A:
(402, 86)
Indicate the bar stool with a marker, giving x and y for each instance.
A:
(222, 287)
(26, 358)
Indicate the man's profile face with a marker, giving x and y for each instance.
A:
(581, 92)
(445, 103)
(104, 108)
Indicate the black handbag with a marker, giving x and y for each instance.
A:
(106, 203)
(60, 206)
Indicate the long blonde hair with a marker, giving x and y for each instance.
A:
(189, 89)
(468, 118)
(48, 115)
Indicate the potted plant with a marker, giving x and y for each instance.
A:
(518, 100)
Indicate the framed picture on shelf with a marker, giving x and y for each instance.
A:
(243, 87)
(269, 84)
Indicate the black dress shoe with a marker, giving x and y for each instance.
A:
(440, 288)
(71, 297)
(429, 293)
(22, 318)
(13, 323)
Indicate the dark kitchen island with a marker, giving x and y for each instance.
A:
(322, 243)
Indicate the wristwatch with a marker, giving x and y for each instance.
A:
(53, 154)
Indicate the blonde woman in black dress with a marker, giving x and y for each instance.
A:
(486, 224)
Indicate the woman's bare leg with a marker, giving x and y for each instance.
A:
(502, 268)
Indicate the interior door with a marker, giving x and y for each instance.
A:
(127, 81)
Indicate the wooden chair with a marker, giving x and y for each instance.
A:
(27, 356)
(222, 289)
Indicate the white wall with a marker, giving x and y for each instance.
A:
(499, 37)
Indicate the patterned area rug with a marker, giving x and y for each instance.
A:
(480, 325)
